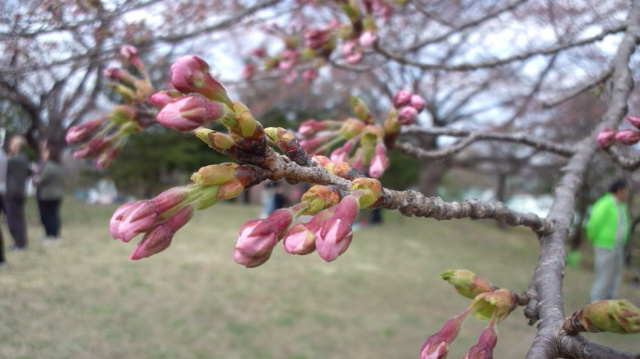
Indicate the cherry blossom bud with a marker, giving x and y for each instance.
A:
(437, 345)
(360, 109)
(134, 219)
(321, 160)
(342, 169)
(257, 238)
(162, 98)
(92, 148)
(334, 236)
(341, 153)
(189, 113)
(300, 239)
(628, 137)
(159, 238)
(369, 192)
(467, 283)
(83, 131)
(616, 316)
(401, 98)
(116, 219)
(367, 38)
(172, 198)
(606, 138)
(190, 74)
(117, 74)
(130, 53)
(311, 127)
(416, 102)
(633, 120)
(318, 198)
(379, 162)
(215, 174)
(216, 140)
(287, 143)
(407, 115)
(498, 303)
(487, 341)
(351, 127)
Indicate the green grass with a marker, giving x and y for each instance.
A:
(381, 299)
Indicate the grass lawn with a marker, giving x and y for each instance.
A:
(381, 299)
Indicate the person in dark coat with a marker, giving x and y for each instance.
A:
(49, 182)
(14, 198)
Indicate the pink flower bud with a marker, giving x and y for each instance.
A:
(333, 238)
(171, 198)
(367, 38)
(606, 138)
(407, 115)
(189, 113)
(162, 98)
(83, 131)
(257, 238)
(437, 345)
(309, 127)
(138, 217)
(401, 98)
(341, 153)
(116, 219)
(483, 349)
(128, 52)
(190, 74)
(299, 240)
(91, 149)
(627, 137)
(334, 235)
(633, 120)
(159, 238)
(379, 162)
(417, 102)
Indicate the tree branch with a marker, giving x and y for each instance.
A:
(547, 277)
(471, 136)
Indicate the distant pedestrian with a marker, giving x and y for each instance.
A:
(49, 183)
(608, 230)
(3, 189)
(14, 199)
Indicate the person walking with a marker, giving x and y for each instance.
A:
(49, 183)
(3, 189)
(608, 229)
(17, 173)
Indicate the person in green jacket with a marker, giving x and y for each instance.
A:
(608, 230)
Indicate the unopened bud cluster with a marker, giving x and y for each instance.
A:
(159, 218)
(607, 137)
(489, 303)
(328, 232)
(197, 98)
(303, 54)
(103, 138)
